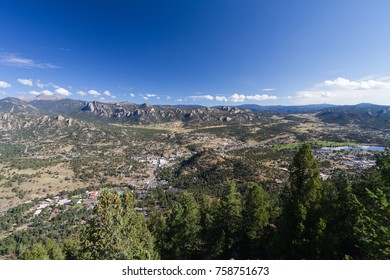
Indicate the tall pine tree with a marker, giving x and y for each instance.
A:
(256, 216)
(182, 236)
(115, 232)
(228, 223)
(301, 225)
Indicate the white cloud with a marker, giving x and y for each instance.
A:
(4, 84)
(82, 93)
(151, 95)
(306, 94)
(113, 96)
(261, 97)
(47, 92)
(268, 89)
(237, 97)
(132, 94)
(53, 85)
(39, 84)
(169, 98)
(343, 91)
(2, 92)
(158, 97)
(328, 94)
(257, 97)
(106, 92)
(62, 91)
(200, 97)
(179, 100)
(146, 98)
(94, 92)
(26, 82)
(221, 98)
(363, 85)
(17, 61)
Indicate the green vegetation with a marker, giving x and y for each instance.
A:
(313, 144)
(341, 218)
(301, 225)
(114, 232)
(215, 184)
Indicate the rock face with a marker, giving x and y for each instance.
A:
(89, 106)
(148, 114)
(97, 108)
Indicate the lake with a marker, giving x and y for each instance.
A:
(356, 148)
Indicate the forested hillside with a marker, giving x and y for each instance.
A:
(343, 217)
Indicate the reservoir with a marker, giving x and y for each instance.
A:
(356, 148)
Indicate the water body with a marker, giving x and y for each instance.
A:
(356, 148)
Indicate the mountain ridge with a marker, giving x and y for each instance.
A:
(364, 114)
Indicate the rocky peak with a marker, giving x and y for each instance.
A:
(89, 106)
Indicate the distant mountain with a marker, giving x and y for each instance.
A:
(286, 109)
(125, 112)
(12, 105)
(17, 115)
(364, 115)
(62, 106)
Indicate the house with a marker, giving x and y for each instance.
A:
(92, 195)
(42, 206)
(64, 201)
(54, 213)
(36, 213)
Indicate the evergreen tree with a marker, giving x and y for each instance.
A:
(301, 225)
(115, 232)
(181, 239)
(373, 226)
(383, 164)
(157, 226)
(228, 222)
(36, 252)
(341, 213)
(256, 215)
(54, 250)
(207, 216)
(371, 198)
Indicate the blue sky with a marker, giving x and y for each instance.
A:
(205, 52)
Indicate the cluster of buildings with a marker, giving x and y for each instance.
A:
(88, 199)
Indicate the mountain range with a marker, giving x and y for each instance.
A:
(365, 115)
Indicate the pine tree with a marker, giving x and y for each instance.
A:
(36, 252)
(373, 226)
(383, 164)
(228, 223)
(341, 215)
(115, 232)
(301, 224)
(256, 215)
(207, 216)
(181, 239)
(371, 198)
(54, 250)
